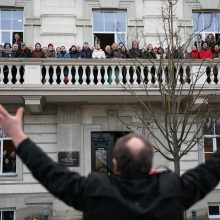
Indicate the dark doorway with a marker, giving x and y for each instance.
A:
(102, 146)
(217, 37)
(104, 39)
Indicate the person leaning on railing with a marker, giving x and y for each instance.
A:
(38, 52)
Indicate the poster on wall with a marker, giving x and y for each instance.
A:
(69, 159)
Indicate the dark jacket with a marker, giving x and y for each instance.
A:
(199, 44)
(86, 53)
(50, 53)
(25, 53)
(116, 53)
(74, 54)
(162, 196)
(149, 54)
(135, 53)
(14, 53)
(7, 53)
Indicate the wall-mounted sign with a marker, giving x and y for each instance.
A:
(69, 159)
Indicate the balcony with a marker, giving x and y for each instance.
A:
(36, 81)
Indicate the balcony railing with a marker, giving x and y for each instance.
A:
(109, 72)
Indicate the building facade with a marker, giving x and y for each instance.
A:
(77, 124)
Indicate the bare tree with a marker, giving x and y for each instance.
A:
(181, 86)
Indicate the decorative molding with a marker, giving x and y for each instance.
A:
(34, 103)
(207, 4)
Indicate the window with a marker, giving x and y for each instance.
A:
(206, 23)
(7, 155)
(11, 22)
(7, 214)
(214, 210)
(211, 131)
(111, 22)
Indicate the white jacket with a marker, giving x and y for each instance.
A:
(98, 54)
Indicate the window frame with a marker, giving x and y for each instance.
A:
(205, 33)
(214, 216)
(214, 137)
(8, 210)
(115, 32)
(11, 30)
(2, 174)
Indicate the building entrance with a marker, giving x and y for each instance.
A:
(102, 144)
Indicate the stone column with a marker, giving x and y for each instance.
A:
(68, 140)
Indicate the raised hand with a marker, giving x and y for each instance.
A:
(12, 125)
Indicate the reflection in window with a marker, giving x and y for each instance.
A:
(112, 22)
(7, 155)
(211, 131)
(206, 22)
(101, 160)
(11, 22)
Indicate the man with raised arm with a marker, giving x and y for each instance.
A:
(131, 193)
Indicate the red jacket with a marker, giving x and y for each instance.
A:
(205, 54)
(194, 54)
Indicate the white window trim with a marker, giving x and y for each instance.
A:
(9, 209)
(111, 32)
(11, 30)
(1, 161)
(214, 145)
(214, 216)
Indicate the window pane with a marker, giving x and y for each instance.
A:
(197, 22)
(17, 23)
(217, 22)
(8, 215)
(98, 23)
(121, 21)
(218, 143)
(6, 20)
(217, 127)
(0, 160)
(109, 21)
(121, 38)
(2, 133)
(208, 128)
(9, 157)
(208, 145)
(214, 210)
(208, 22)
(6, 37)
(101, 160)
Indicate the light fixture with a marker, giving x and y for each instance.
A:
(19, 20)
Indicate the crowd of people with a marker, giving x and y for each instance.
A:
(9, 162)
(208, 49)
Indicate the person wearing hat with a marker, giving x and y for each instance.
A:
(24, 51)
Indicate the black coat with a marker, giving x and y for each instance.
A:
(86, 53)
(26, 53)
(135, 53)
(161, 196)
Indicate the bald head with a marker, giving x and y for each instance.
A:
(132, 154)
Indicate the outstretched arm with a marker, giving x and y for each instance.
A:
(12, 125)
(199, 181)
(67, 186)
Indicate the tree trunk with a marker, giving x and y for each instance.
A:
(177, 165)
